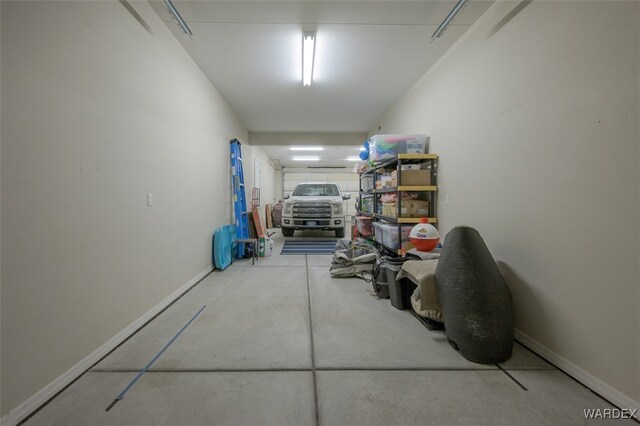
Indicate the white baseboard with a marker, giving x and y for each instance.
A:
(43, 395)
(595, 384)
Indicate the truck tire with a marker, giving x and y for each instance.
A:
(340, 233)
(288, 232)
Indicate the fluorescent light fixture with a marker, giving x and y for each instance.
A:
(306, 148)
(173, 12)
(308, 52)
(361, 148)
(449, 19)
(305, 158)
(353, 159)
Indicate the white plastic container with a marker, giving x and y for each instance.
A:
(378, 232)
(268, 247)
(384, 147)
(390, 237)
(367, 182)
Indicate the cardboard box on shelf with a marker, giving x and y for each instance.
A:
(414, 208)
(415, 177)
(389, 209)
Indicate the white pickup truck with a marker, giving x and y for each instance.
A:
(314, 205)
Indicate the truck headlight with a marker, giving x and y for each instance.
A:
(288, 209)
(336, 208)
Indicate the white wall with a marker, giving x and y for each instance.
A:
(302, 138)
(536, 123)
(1, 404)
(279, 184)
(267, 174)
(98, 109)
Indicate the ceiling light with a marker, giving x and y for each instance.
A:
(354, 159)
(361, 148)
(306, 158)
(308, 51)
(450, 17)
(306, 148)
(173, 12)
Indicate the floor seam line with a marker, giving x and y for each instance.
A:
(284, 370)
(313, 356)
(511, 377)
(146, 368)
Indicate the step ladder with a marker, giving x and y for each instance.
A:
(239, 198)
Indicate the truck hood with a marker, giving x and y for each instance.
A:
(293, 199)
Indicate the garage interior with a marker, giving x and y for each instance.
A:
(116, 118)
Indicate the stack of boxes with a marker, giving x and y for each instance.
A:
(414, 208)
(410, 176)
(409, 208)
(386, 180)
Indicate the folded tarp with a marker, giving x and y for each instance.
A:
(425, 299)
(353, 258)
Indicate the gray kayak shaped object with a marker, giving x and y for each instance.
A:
(475, 299)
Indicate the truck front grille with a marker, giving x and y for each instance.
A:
(318, 222)
(316, 210)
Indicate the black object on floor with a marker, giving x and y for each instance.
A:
(380, 285)
(430, 324)
(475, 299)
(309, 246)
(397, 289)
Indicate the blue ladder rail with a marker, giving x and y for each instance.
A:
(239, 198)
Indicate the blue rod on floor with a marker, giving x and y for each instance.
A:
(155, 358)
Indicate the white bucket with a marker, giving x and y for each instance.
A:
(268, 247)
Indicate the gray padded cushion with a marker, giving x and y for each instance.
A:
(475, 299)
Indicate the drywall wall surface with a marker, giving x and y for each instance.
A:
(100, 106)
(0, 215)
(304, 138)
(279, 185)
(534, 114)
(266, 181)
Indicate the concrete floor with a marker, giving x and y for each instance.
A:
(282, 343)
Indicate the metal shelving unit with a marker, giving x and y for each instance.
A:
(431, 191)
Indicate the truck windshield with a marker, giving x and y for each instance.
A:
(316, 189)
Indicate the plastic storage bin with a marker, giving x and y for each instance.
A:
(390, 237)
(378, 231)
(366, 204)
(384, 147)
(365, 227)
(366, 182)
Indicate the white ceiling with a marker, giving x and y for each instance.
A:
(368, 54)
